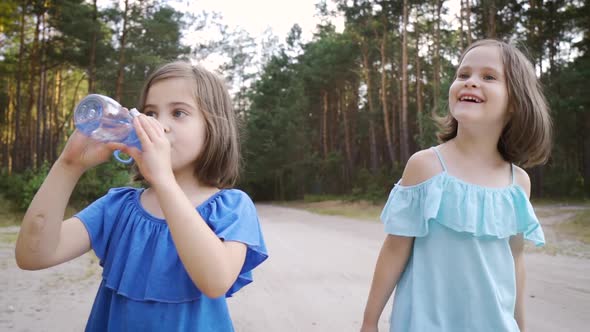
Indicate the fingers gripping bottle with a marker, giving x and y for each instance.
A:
(103, 119)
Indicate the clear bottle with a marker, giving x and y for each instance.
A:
(103, 119)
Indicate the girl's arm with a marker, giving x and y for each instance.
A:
(517, 246)
(44, 239)
(390, 265)
(396, 249)
(212, 264)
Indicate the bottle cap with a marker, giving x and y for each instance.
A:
(134, 112)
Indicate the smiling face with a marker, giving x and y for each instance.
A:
(479, 94)
(172, 102)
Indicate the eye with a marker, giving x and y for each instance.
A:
(178, 113)
(462, 75)
(150, 113)
(489, 77)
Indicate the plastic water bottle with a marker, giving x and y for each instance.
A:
(103, 119)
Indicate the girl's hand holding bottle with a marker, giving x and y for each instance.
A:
(82, 153)
(154, 161)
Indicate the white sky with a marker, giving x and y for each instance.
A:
(255, 16)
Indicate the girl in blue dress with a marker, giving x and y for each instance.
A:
(457, 219)
(173, 252)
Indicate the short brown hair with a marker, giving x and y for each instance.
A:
(526, 138)
(218, 165)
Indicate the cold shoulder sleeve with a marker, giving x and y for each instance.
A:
(460, 206)
(232, 216)
(409, 208)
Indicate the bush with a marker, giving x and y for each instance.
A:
(21, 188)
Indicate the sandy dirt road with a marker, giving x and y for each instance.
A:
(317, 279)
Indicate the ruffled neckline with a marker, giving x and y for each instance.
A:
(138, 254)
(463, 207)
(149, 216)
(445, 173)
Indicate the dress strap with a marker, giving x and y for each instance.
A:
(440, 158)
(512, 170)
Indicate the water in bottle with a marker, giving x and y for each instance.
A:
(105, 120)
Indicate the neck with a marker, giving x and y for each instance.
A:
(190, 185)
(481, 142)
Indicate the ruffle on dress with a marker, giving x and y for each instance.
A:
(462, 207)
(138, 255)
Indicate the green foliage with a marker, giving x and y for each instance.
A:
(375, 187)
(21, 188)
(97, 181)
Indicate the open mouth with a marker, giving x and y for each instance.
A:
(470, 99)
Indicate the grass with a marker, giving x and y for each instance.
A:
(578, 227)
(9, 214)
(338, 206)
(561, 201)
(8, 238)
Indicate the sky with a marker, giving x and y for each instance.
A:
(255, 16)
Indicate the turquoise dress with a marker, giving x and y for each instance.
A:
(145, 286)
(460, 276)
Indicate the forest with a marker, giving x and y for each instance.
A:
(338, 114)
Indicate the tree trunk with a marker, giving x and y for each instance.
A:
(586, 151)
(468, 20)
(32, 126)
(405, 139)
(92, 64)
(57, 107)
(372, 135)
(41, 148)
(123, 40)
(346, 124)
(436, 59)
(325, 123)
(7, 132)
(419, 106)
(395, 113)
(384, 89)
(17, 111)
(461, 28)
(491, 19)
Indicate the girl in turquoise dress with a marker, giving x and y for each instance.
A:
(457, 220)
(173, 252)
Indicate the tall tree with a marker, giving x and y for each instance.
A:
(405, 133)
(93, 42)
(122, 47)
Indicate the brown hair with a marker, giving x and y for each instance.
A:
(218, 163)
(526, 138)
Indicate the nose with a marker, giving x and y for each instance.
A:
(164, 124)
(471, 83)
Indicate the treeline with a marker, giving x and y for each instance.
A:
(55, 52)
(339, 114)
(342, 114)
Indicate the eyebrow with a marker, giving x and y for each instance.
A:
(484, 68)
(175, 103)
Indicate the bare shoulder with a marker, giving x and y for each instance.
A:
(421, 166)
(521, 177)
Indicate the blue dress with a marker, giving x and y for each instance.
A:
(145, 286)
(460, 276)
